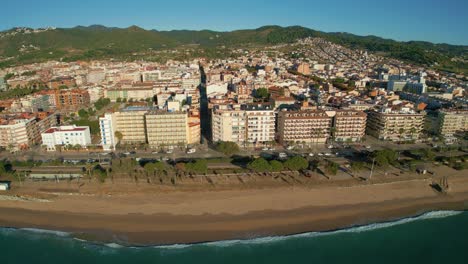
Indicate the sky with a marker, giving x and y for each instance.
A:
(439, 21)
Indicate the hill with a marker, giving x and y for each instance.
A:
(99, 41)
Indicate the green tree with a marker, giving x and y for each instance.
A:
(262, 93)
(228, 148)
(385, 157)
(83, 114)
(332, 167)
(276, 165)
(296, 163)
(357, 166)
(118, 135)
(259, 165)
(199, 166)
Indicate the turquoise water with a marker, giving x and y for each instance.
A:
(435, 237)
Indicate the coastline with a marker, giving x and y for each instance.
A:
(173, 237)
(167, 219)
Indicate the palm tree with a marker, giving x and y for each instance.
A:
(412, 131)
(119, 136)
(401, 131)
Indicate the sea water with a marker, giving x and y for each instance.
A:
(435, 237)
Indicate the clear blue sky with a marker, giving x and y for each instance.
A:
(432, 20)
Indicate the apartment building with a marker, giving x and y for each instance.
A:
(395, 125)
(349, 125)
(304, 126)
(194, 128)
(141, 125)
(69, 99)
(166, 128)
(260, 124)
(20, 131)
(60, 82)
(449, 122)
(106, 127)
(66, 135)
(130, 122)
(251, 124)
(229, 125)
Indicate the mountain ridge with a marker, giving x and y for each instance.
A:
(84, 42)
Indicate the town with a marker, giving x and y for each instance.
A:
(334, 107)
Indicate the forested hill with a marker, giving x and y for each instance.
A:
(17, 46)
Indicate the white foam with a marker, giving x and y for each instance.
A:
(263, 240)
(114, 245)
(45, 231)
(357, 229)
(175, 246)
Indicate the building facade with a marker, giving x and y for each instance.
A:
(306, 126)
(349, 125)
(392, 125)
(166, 128)
(66, 135)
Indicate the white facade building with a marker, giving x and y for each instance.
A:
(66, 135)
(106, 125)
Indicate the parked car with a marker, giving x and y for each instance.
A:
(190, 151)
(282, 155)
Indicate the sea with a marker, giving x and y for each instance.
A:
(434, 237)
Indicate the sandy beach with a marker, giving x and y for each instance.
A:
(161, 216)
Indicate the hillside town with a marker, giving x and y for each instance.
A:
(318, 93)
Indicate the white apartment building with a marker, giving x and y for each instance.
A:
(66, 135)
(106, 127)
(249, 125)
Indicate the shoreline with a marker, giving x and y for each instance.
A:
(241, 240)
(388, 212)
(148, 217)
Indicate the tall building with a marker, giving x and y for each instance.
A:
(141, 125)
(166, 128)
(449, 122)
(66, 135)
(260, 124)
(20, 131)
(395, 125)
(106, 127)
(229, 125)
(349, 125)
(130, 122)
(69, 99)
(247, 125)
(306, 126)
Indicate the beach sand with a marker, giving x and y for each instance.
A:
(154, 216)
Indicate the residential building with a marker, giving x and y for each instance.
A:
(349, 125)
(66, 135)
(446, 123)
(395, 125)
(106, 127)
(130, 122)
(229, 125)
(305, 126)
(71, 99)
(251, 124)
(20, 131)
(165, 128)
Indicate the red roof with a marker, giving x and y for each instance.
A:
(57, 129)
